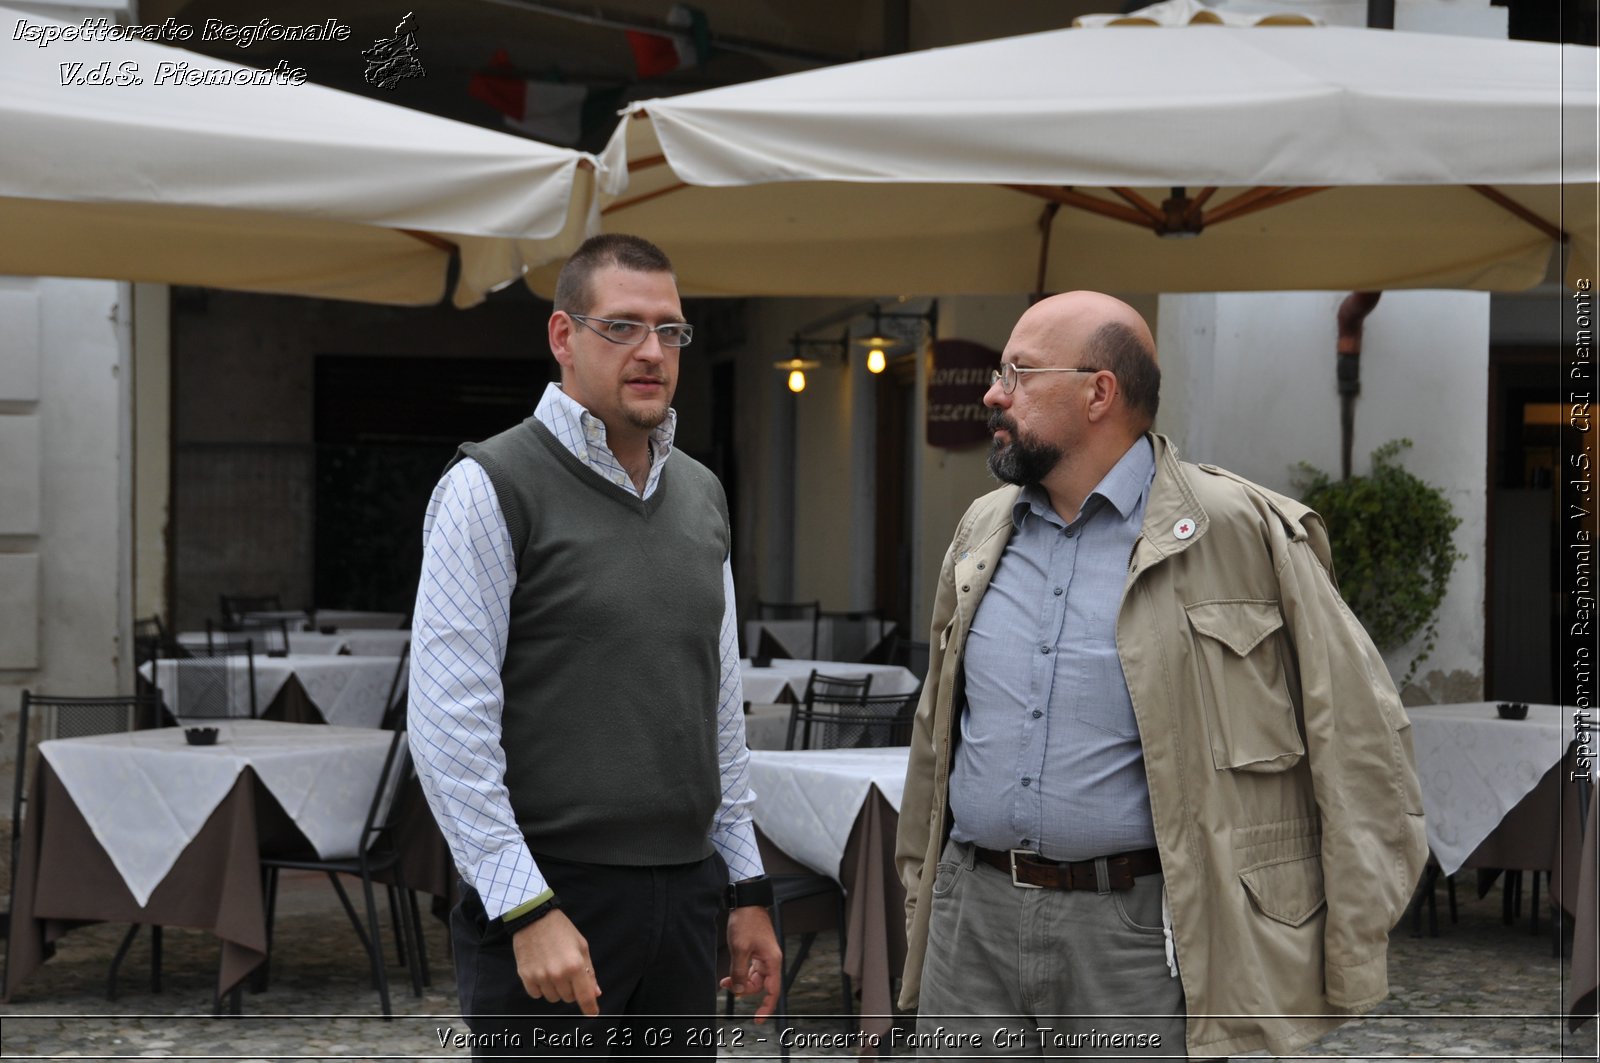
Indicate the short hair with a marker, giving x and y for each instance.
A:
(633, 253)
(1117, 347)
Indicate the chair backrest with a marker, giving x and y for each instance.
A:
(208, 685)
(394, 706)
(234, 606)
(863, 721)
(834, 686)
(382, 814)
(150, 640)
(69, 718)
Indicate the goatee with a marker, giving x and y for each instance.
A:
(1022, 461)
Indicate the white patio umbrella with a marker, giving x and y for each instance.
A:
(1264, 157)
(282, 188)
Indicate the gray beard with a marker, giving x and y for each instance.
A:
(1022, 461)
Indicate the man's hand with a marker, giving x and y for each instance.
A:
(553, 962)
(757, 960)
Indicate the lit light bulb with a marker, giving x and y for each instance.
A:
(797, 381)
(876, 362)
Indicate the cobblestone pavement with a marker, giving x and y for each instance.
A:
(1480, 990)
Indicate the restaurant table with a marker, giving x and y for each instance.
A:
(838, 637)
(836, 812)
(299, 688)
(351, 619)
(1502, 794)
(1475, 767)
(141, 827)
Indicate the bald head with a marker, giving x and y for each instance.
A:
(1111, 335)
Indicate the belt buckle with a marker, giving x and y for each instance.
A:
(1014, 880)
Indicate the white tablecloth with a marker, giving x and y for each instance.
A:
(352, 691)
(1474, 767)
(786, 677)
(837, 636)
(146, 794)
(807, 800)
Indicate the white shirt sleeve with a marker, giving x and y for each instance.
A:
(458, 645)
(733, 832)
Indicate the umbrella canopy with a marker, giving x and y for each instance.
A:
(274, 187)
(1205, 158)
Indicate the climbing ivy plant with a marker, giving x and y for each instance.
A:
(1393, 541)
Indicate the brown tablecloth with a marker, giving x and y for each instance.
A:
(64, 877)
(1546, 831)
(875, 935)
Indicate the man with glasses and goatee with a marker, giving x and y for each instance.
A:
(576, 708)
(1161, 799)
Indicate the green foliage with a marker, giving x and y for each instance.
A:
(1393, 544)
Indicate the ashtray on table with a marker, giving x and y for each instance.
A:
(1512, 710)
(200, 736)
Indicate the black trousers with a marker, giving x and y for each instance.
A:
(652, 934)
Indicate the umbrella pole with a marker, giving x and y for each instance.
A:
(1352, 313)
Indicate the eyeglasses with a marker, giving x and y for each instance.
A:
(632, 333)
(1008, 375)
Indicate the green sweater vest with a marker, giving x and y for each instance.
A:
(612, 669)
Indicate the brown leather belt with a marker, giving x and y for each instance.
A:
(1029, 870)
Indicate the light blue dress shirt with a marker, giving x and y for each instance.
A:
(458, 646)
(1049, 757)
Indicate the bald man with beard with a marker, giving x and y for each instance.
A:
(1161, 798)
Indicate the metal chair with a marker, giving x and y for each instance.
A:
(394, 706)
(79, 717)
(205, 683)
(824, 686)
(234, 606)
(378, 854)
(859, 721)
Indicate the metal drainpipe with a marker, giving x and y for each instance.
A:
(1352, 312)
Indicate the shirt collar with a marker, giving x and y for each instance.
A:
(557, 407)
(1123, 488)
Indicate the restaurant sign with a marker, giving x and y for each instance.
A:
(960, 375)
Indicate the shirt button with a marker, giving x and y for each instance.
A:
(1037, 714)
(1044, 650)
(980, 566)
(966, 587)
(1072, 533)
(1058, 592)
(1026, 781)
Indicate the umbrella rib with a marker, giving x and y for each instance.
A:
(1144, 206)
(431, 240)
(1192, 213)
(624, 204)
(1069, 198)
(1500, 199)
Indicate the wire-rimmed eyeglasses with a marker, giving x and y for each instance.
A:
(1008, 374)
(632, 333)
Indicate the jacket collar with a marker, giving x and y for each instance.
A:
(1172, 509)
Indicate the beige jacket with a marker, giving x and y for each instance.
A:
(1282, 780)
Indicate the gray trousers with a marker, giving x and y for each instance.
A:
(1033, 972)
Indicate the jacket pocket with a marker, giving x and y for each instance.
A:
(1289, 891)
(1249, 713)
